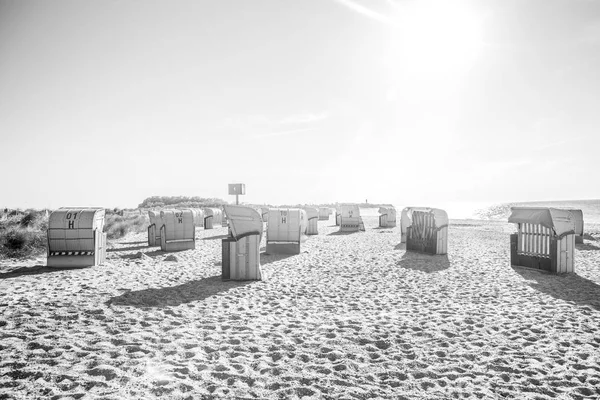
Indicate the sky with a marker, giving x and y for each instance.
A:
(105, 103)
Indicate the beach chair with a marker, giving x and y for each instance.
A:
(241, 249)
(350, 219)
(387, 217)
(284, 231)
(212, 217)
(313, 219)
(545, 239)
(578, 221)
(427, 230)
(154, 228)
(75, 237)
(324, 213)
(178, 231)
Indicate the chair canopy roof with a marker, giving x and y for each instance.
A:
(155, 217)
(560, 221)
(311, 212)
(577, 215)
(244, 221)
(440, 216)
(390, 211)
(80, 217)
(211, 212)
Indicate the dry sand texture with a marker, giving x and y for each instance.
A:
(352, 316)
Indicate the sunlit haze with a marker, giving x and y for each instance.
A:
(428, 103)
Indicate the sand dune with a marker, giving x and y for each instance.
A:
(352, 316)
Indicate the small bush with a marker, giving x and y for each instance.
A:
(117, 226)
(22, 242)
(15, 239)
(118, 230)
(28, 219)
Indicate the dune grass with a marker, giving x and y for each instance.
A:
(23, 235)
(117, 226)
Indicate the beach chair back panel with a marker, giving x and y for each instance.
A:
(391, 219)
(284, 225)
(350, 218)
(179, 225)
(324, 213)
(313, 220)
(72, 230)
(198, 217)
(212, 217)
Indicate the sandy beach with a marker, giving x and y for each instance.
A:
(354, 316)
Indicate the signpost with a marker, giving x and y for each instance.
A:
(237, 189)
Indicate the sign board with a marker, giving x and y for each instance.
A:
(237, 188)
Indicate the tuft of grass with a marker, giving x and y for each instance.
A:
(23, 234)
(16, 241)
(29, 219)
(117, 226)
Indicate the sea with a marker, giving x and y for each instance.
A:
(500, 211)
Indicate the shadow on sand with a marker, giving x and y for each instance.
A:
(176, 295)
(424, 262)
(217, 237)
(270, 258)
(587, 246)
(339, 233)
(383, 229)
(127, 248)
(567, 287)
(35, 270)
(153, 253)
(400, 246)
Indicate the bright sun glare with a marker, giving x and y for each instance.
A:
(437, 37)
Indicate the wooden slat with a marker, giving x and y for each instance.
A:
(538, 240)
(533, 240)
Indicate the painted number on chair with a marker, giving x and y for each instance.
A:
(283, 217)
(179, 217)
(71, 217)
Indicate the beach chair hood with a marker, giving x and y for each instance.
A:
(212, 212)
(77, 218)
(244, 221)
(303, 221)
(389, 211)
(311, 212)
(155, 217)
(440, 216)
(560, 221)
(578, 221)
